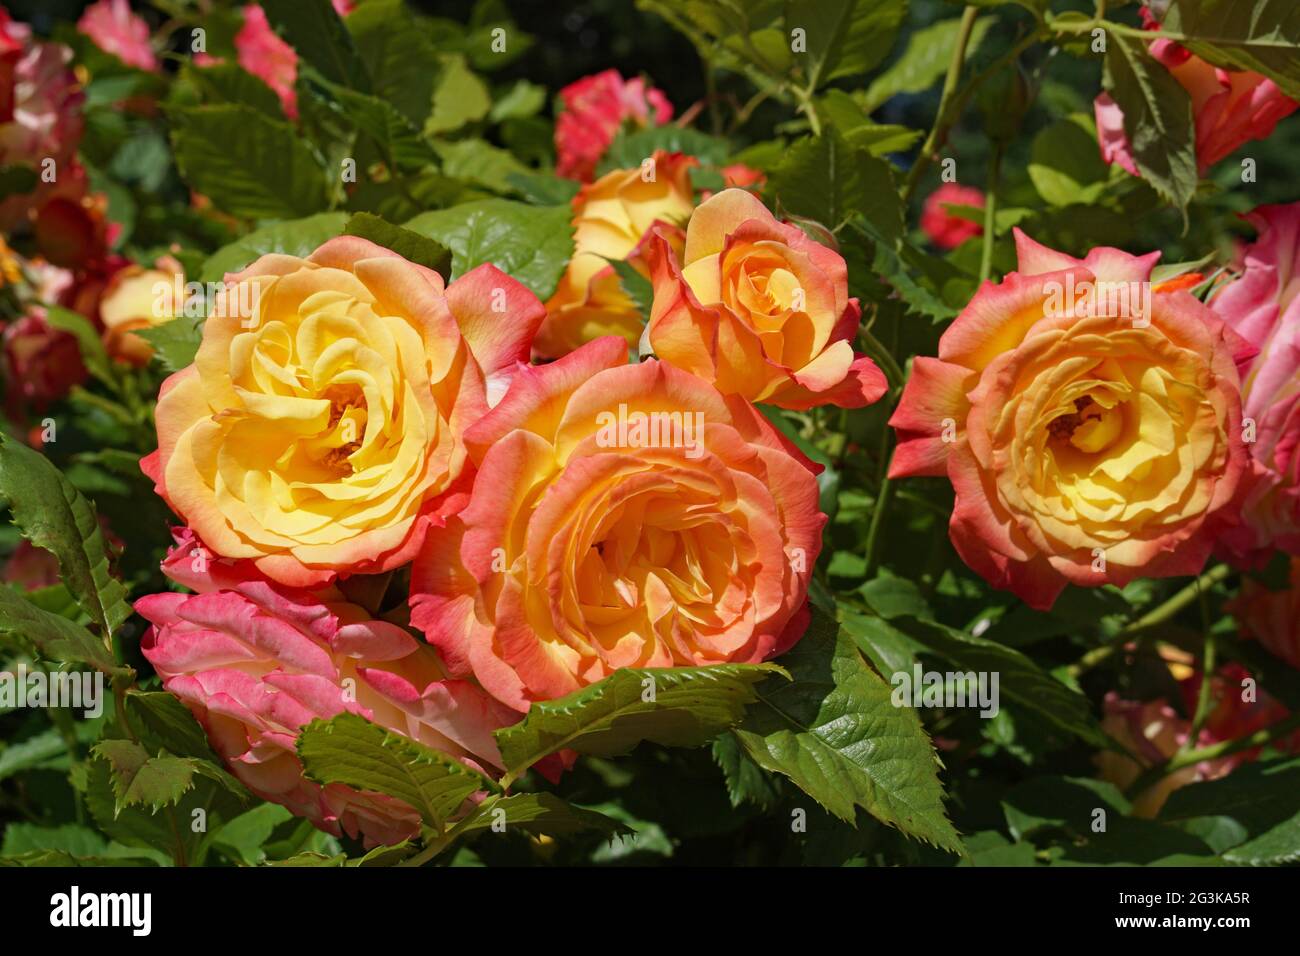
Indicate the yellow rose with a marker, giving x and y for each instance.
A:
(612, 217)
(138, 298)
(318, 432)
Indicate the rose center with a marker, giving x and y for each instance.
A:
(1091, 427)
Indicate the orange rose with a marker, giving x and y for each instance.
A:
(318, 431)
(758, 309)
(612, 217)
(1091, 428)
(622, 516)
(139, 298)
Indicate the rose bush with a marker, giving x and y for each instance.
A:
(493, 436)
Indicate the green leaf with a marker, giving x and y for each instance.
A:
(631, 148)
(835, 732)
(398, 140)
(1019, 678)
(175, 343)
(538, 813)
(350, 750)
(1260, 798)
(231, 83)
(826, 179)
(746, 781)
(844, 37)
(1157, 119)
(93, 354)
(296, 237)
(1262, 36)
(53, 515)
(521, 101)
(1060, 803)
(54, 637)
(531, 243)
(398, 54)
(405, 242)
(635, 285)
(32, 753)
(141, 780)
(478, 161)
(895, 260)
(673, 706)
(69, 838)
(162, 722)
(248, 164)
(317, 35)
(459, 98)
(924, 62)
(242, 837)
(1064, 163)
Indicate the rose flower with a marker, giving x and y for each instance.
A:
(622, 516)
(758, 309)
(1091, 437)
(318, 431)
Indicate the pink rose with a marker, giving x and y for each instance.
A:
(261, 52)
(1229, 107)
(116, 30)
(1261, 306)
(1272, 617)
(943, 228)
(256, 663)
(40, 115)
(594, 109)
(42, 364)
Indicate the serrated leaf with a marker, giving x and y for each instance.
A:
(175, 343)
(318, 36)
(689, 706)
(636, 286)
(844, 37)
(350, 750)
(746, 781)
(55, 637)
(1157, 119)
(826, 179)
(162, 722)
(295, 237)
(248, 164)
(398, 140)
(70, 838)
(1019, 678)
(405, 242)
(398, 54)
(1260, 798)
(231, 83)
(836, 734)
(1262, 36)
(53, 515)
(531, 243)
(539, 813)
(141, 780)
